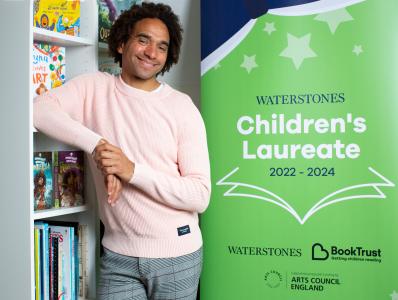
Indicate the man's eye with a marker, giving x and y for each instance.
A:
(163, 48)
(143, 40)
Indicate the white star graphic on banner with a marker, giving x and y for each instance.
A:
(298, 49)
(269, 27)
(249, 63)
(357, 49)
(394, 295)
(334, 18)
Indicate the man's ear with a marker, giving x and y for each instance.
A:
(120, 48)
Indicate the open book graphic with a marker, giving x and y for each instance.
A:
(360, 191)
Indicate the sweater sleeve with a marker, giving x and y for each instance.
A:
(190, 190)
(59, 114)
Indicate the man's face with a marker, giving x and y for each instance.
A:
(145, 53)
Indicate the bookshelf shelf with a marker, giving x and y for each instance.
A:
(55, 212)
(43, 35)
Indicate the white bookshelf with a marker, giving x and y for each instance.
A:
(56, 212)
(46, 36)
(20, 140)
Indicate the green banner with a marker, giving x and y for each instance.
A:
(301, 117)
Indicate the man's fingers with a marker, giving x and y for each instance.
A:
(109, 171)
(109, 184)
(105, 154)
(106, 147)
(117, 190)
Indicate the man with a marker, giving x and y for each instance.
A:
(149, 142)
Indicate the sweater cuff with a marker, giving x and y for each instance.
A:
(139, 175)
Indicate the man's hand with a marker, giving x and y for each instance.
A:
(114, 187)
(112, 161)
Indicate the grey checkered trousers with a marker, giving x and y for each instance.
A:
(135, 278)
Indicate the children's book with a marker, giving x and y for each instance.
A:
(48, 67)
(108, 11)
(82, 261)
(42, 180)
(44, 259)
(70, 257)
(54, 266)
(69, 174)
(65, 266)
(57, 15)
(37, 262)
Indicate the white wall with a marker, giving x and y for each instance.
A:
(185, 76)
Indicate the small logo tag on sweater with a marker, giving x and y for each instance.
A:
(183, 230)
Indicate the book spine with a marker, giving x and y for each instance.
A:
(72, 260)
(61, 272)
(41, 261)
(55, 269)
(46, 262)
(55, 179)
(79, 257)
(36, 258)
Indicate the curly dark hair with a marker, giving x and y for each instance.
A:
(123, 27)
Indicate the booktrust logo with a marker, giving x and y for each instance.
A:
(351, 253)
(319, 252)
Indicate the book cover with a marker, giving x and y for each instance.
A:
(42, 180)
(69, 173)
(108, 11)
(48, 67)
(57, 15)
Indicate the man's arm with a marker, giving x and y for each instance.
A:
(189, 191)
(59, 114)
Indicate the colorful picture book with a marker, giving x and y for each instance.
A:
(48, 67)
(108, 11)
(43, 180)
(58, 179)
(57, 15)
(69, 174)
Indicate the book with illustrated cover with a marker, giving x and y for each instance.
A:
(69, 174)
(48, 67)
(42, 180)
(57, 15)
(108, 11)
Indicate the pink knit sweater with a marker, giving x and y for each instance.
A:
(163, 133)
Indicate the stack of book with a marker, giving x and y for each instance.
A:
(60, 256)
(58, 179)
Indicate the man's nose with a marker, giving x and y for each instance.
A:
(150, 50)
